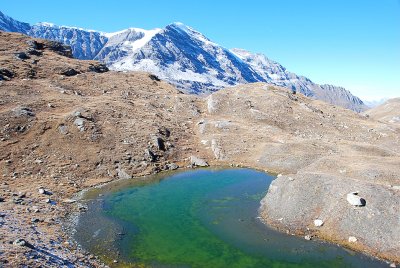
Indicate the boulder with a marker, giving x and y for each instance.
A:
(172, 166)
(318, 223)
(79, 122)
(154, 77)
(69, 72)
(6, 74)
(23, 111)
(355, 200)
(32, 51)
(150, 155)
(196, 161)
(98, 68)
(22, 243)
(21, 56)
(63, 129)
(158, 143)
(59, 48)
(123, 175)
(35, 44)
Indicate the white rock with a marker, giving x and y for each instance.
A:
(307, 237)
(42, 191)
(217, 150)
(354, 199)
(318, 222)
(196, 161)
(352, 239)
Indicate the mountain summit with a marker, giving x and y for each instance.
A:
(182, 56)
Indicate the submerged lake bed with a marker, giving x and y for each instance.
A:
(197, 218)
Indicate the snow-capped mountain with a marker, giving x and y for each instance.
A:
(182, 56)
(8, 24)
(85, 44)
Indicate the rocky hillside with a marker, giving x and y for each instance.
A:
(182, 56)
(323, 153)
(68, 124)
(388, 112)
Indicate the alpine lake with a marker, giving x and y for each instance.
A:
(196, 218)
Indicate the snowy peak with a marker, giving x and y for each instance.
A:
(241, 53)
(132, 38)
(182, 56)
(179, 26)
(8, 24)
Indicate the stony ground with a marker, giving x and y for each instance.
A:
(323, 153)
(66, 125)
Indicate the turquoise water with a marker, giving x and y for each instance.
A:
(200, 218)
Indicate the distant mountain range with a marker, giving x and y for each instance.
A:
(182, 56)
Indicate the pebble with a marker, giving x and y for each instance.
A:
(22, 243)
(35, 220)
(352, 239)
(318, 222)
(307, 237)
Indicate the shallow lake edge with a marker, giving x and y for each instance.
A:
(70, 220)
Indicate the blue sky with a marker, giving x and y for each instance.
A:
(351, 43)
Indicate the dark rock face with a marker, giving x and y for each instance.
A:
(59, 48)
(69, 72)
(35, 45)
(98, 68)
(23, 111)
(22, 56)
(32, 51)
(6, 74)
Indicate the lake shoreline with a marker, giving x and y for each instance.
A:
(219, 167)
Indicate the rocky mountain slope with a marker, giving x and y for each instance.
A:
(182, 56)
(67, 124)
(388, 112)
(323, 153)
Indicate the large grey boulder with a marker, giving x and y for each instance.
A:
(196, 161)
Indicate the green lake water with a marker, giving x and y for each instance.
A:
(199, 218)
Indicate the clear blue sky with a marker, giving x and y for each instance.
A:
(352, 43)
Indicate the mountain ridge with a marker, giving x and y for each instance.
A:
(182, 56)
